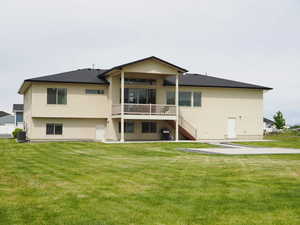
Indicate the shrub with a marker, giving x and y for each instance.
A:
(16, 131)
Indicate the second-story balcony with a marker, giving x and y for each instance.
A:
(145, 109)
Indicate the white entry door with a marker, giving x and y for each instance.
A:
(231, 128)
(100, 132)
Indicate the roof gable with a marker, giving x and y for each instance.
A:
(150, 64)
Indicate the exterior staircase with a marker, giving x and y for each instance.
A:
(185, 128)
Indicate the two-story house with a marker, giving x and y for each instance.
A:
(135, 101)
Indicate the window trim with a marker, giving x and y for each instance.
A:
(56, 96)
(54, 129)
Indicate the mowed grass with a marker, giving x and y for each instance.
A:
(153, 184)
(276, 141)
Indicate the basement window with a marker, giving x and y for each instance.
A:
(149, 127)
(54, 129)
(128, 127)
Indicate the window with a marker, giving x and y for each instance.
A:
(139, 96)
(139, 81)
(170, 98)
(128, 127)
(149, 127)
(19, 117)
(56, 95)
(185, 98)
(54, 129)
(197, 99)
(94, 92)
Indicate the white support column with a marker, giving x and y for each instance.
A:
(122, 106)
(177, 108)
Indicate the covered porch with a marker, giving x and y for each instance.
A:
(143, 129)
(142, 95)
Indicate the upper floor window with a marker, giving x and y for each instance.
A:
(94, 91)
(186, 98)
(139, 81)
(56, 95)
(139, 96)
(170, 98)
(197, 99)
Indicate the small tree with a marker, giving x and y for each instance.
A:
(279, 120)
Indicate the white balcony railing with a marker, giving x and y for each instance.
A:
(145, 109)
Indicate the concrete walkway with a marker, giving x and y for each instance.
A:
(213, 142)
(233, 149)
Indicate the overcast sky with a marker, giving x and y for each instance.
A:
(256, 41)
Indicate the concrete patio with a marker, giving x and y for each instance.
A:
(233, 149)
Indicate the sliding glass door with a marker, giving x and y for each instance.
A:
(140, 96)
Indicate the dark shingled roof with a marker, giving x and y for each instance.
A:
(268, 121)
(2, 113)
(18, 107)
(87, 76)
(97, 76)
(198, 80)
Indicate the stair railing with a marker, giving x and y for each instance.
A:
(187, 126)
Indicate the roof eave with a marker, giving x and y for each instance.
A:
(24, 86)
(214, 86)
(70, 82)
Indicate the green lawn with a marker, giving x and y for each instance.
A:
(136, 184)
(276, 141)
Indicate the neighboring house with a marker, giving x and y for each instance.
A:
(135, 101)
(269, 126)
(18, 112)
(7, 125)
(2, 113)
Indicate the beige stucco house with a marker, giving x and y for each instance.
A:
(140, 100)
